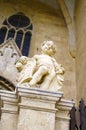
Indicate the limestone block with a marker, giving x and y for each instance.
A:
(37, 109)
(8, 122)
(63, 114)
(34, 109)
(9, 110)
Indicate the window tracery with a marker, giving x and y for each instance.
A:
(18, 27)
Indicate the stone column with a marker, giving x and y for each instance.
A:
(9, 110)
(37, 109)
(63, 114)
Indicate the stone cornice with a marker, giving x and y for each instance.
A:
(39, 94)
(65, 104)
(34, 99)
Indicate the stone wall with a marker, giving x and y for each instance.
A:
(80, 20)
(48, 24)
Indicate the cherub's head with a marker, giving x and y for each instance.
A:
(23, 60)
(48, 47)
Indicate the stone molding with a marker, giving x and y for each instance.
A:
(26, 104)
(9, 102)
(38, 99)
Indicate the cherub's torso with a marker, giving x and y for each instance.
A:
(44, 60)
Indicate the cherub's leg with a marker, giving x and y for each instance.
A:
(27, 72)
(37, 77)
(47, 81)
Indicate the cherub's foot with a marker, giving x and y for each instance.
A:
(32, 83)
(34, 86)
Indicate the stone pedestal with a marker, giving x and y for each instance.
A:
(63, 114)
(37, 109)
(9, 110)
(34, 109)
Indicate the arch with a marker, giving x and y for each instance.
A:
(5, 84)
(30, 27)
(70, 25)
(19, 20)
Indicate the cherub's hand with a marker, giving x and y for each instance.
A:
(60, 70)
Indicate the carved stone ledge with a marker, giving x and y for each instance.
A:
(63, 114)
(32, 108)
(9, 110)
(38, 99)
(38, 93)
(39, 106)
(9, 102)
(65, 105)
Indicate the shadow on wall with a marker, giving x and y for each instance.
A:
(78, 117)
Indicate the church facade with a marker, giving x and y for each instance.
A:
(24, 25)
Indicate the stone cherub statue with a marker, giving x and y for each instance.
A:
(42, 70)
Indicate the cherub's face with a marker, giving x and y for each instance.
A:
(48, 48)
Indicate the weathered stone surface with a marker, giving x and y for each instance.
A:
(28, 109)
(9, 110)
(41, 70)
(80, 21)
(48, 24)
(9, 54)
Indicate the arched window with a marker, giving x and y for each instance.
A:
(11, 33)
(3, 32)
(18, 27)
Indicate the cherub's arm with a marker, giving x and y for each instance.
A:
(58, 67)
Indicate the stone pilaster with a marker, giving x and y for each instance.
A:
(9, 110)
(63, 114)
(37, 109)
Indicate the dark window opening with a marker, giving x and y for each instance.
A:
(11, 33)
(2, 34)
(14, 24)
(19, 20)
(26, 45)
(19, 38)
